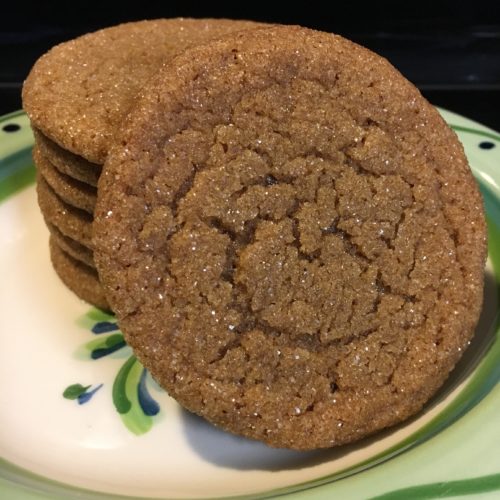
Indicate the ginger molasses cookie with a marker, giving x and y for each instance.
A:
(71, 246)
(71, 221)
(70, 190)
(66, 162)
(79, 92)
(78, 277)
(291, 238)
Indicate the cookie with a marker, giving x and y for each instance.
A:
(71, 247)
(78, 277)
(70, 190)
(66, 162)
(80, 91)
(291, 238)
(71, 221)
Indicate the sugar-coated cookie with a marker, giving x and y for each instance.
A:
(71, 246)
(69, 189)
(71, 221)
(291, 238)
(79, 92)
(78, 277)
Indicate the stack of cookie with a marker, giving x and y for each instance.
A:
(67, 200)
(77, 97)
(288, 233)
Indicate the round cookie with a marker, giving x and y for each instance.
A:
(70, 190)
(71, 247)
(80, 91)
(291, 238)
(71, 221)
(66, 162)
(79, 278)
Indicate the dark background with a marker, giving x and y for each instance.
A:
(450, 50)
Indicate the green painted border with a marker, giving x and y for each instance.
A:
(10, 116)
(16, 172)
(16, 165)
(475, 486)
(475, 131)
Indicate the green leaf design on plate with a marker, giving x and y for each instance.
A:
(74, 390)
(137, 409)
(102, 346)
(108, 345)
(126, 397)
(121, 401)
(89, 319)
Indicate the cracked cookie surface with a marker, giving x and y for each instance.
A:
(291, 238)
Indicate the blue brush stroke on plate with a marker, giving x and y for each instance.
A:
(104, 351)
(104, 327)
(149, 406)
(87, 396)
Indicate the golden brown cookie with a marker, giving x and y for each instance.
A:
(76, 193)
(66, 162)
(71, 247)
(78, 277)
(71, 221)
(80, 91)
(291, 238)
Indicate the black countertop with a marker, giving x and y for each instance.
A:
(451, 52)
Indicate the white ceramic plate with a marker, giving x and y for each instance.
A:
(79, 418)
